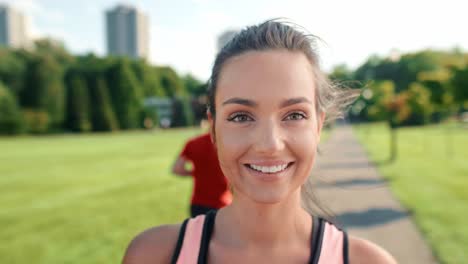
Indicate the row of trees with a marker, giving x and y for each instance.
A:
(409, 89)
(49, 90)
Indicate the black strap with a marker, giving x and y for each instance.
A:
(206, 236)
(180, 240)
(345, 248)
(318, 229)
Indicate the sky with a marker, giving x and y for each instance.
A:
(183, 33)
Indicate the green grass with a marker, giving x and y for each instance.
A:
(82, 198)
(430, 178)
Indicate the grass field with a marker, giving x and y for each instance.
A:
(81, 198)
(430, 177)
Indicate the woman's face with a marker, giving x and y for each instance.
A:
(266, 129)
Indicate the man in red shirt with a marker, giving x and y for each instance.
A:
(210, 189)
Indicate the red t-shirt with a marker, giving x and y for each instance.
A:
(210, 187)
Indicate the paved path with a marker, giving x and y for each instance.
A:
(348, 183)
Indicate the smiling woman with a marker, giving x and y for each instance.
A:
(268, 103)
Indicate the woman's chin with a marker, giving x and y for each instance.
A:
(268, 197)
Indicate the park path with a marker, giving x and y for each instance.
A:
(350, 186)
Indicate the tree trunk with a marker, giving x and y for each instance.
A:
(393, 144)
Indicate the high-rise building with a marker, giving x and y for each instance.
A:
(12, 28)
(225, 37)
(127, 32)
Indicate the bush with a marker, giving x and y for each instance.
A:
(182, 113)
(78, 108)
(102, 114)
(44, 89)
(36, 121)
(149, 118)
(125, 93)
(10, 114)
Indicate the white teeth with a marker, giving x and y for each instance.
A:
(272, 169)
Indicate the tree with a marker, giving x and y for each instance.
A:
(126, 94)
(78, 107)
(36, 121)
(148, 79)
(459, 83)
(193, 86)
(417, 101)
(182, 112)
(44, 89)
(54, 48)
(10, 113)
(170, 82)
(102, 115)
(12, 70)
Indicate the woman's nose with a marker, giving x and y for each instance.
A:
(268, 137)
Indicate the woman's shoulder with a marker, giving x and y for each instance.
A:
(363, 251)
(154, 245)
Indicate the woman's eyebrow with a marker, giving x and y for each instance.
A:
(241, 101)
(293, 101)
(285, 103)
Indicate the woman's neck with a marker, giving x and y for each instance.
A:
(248, 224)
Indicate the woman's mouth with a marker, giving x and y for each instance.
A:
(269, 169)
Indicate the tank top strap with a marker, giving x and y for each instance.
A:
(206, 236)
(334, 245)
(329, 244)
(193, 241)
(180, 241)
(317, 238)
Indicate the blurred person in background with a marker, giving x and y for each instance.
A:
(199, 160)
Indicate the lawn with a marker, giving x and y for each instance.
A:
(81, 198)
(430, 178)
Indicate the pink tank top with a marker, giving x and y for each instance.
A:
(329, 244)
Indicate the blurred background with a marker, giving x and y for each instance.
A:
(98, 97)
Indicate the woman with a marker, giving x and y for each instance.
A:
(268, 102)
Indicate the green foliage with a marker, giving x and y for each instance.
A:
(193, 86)
(382, 95)
(171, 83)
(54, 48)
(182, 114)
(460, 85)
(44, 88)
(149, 118)
(78, 106)
(148, 79)
(12, 70)
(36, 121)
(10, 113)
(430, 74)
(102, 115)
(126, 94)
(418, 102)
(409, 107)
(58, 91)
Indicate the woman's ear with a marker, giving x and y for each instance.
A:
(211, 124)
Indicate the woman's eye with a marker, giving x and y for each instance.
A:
(296, 116)
(240, 118)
